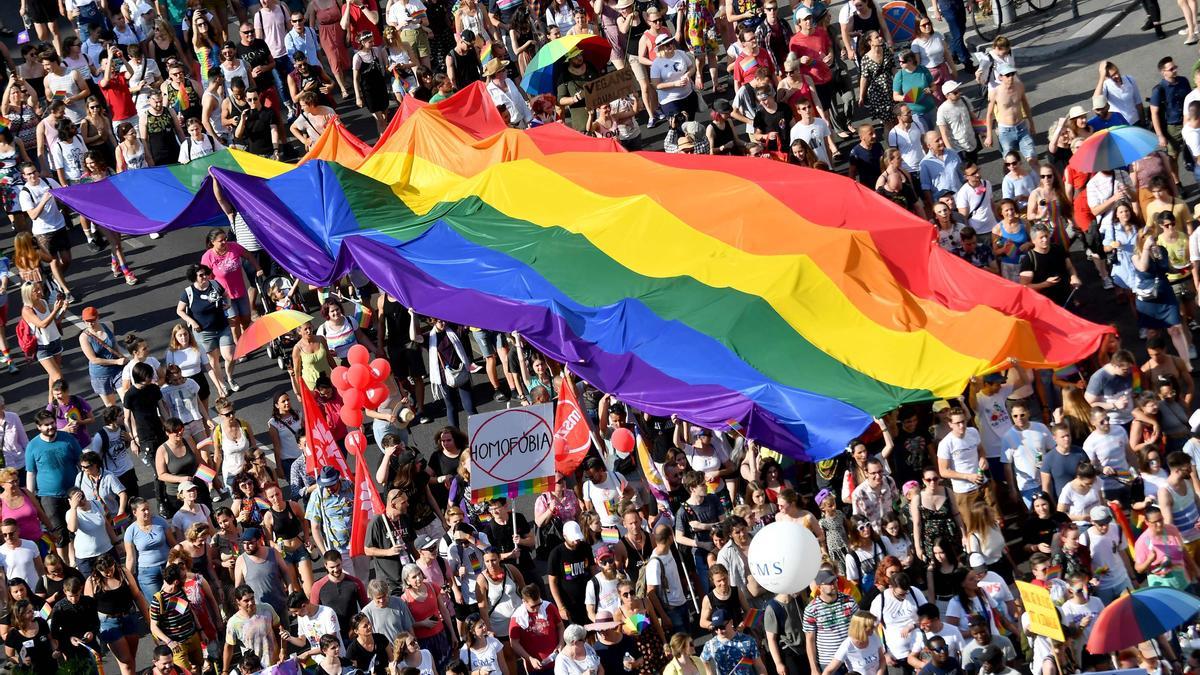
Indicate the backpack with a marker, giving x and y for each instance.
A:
(26, 339)
(640, 586)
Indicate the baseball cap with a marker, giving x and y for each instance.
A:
(572, 531)
(1100, 515)
(722, 106)
(187, 485)
(1006, 69)
(89, 314)
(803, 11)
(942, 194)
(719, 618)
(424, 541)
(605, 553)
(949, 86)
(825, 578)
(994, 378)
(251, 534)
(1099, 102)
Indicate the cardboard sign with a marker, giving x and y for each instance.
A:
(512, 452)
(1043, 615)
(609, 87)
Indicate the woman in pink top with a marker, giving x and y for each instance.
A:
(225, 259)
(16, 503)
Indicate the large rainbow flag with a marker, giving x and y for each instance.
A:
(792, 302)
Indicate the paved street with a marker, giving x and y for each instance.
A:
(148, 309)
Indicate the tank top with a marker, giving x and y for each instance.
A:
(180, 466)
(114, 601)
(27, 519)
(732, 605)
(285, 524)
(265, 579)
(104, 349)
(340, 339)
(49, 333)
(185, 101)
(160, 136)
(67, 85)
(289, 430)
(161, 54)
(195, 595)
(234, 451)
(1184, 513)
(635, 36)
(23, 124)
(423, 610)
(1015, 240)
(214, 117)
(503, 598)
(230, 73)
(466, 66)
(310, 365)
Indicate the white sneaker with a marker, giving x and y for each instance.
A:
(155, 235)
(1108, 284)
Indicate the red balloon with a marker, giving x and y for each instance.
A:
(359, 376)
(356, 442)
(353, 398)
(376, 396)
(622, 441)
(338, 377)
(359, 355)
(380, 369)
(352, 417)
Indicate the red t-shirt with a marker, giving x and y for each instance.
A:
(818, 42)
(117, 95)
(541, 637)
(359, 23)
(746, 65)
(1081, 210)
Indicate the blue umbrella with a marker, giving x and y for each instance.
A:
(1113, 148)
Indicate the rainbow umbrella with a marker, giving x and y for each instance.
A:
(267, 328)
(634, 624)
(540, 75)
(1113, 148)
(1140, 616)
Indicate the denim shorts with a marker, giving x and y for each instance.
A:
(238, 307)
(208, 340)
(50, 350)
(105, 385)
(488, 342)
(113, 628)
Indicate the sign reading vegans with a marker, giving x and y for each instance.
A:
(512, 452)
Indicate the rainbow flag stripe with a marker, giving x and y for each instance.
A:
(205, 473)
(610, 535)
(846, 307)
(261, 504)
(180, 605)
(754, 619)
(514, 490)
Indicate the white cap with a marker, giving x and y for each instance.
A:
(949, 86)
(572, 531)
(1100, 513)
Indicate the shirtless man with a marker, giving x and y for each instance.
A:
(1162, 362)
(1009, 107)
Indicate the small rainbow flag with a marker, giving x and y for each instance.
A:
(4, 122)
(45, 612)
(754, 619)
(912, 95)
(979, 125)
(205, 473)
(120, 522)
(485, 516)
(734, 425)
(486, 54)
(610, 535)
(261, 504)
(746, 660)
(533, 486)
(1123, 474)
(1054, 571)
(475, 565)
(180, 605)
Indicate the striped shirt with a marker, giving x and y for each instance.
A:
(165, 610)
(831, 622)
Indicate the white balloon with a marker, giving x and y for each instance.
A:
(784, 557)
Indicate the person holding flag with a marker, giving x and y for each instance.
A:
(172, 621)
(329, 512)
(384, 543)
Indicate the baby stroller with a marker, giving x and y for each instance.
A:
(274, 294)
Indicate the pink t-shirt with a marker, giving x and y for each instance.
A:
(228, 268)
(1168, 546)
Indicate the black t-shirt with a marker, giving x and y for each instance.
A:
(573, 569)
(612, 657)
(374, 662)
(1052, 263)
(343, 599)
(257, 132)
(911, 456)
(257, 53)
(1041, 531)
(866, 163)
(779, 121)
(36, 650)
(142, 403)
(500, 535)
(707, 511)
(441, 465)
(206, 307)
(377, 537)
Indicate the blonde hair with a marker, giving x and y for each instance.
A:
(679, 644)
(8, 474)
(173, 344)
(862, 626)
(196, 531)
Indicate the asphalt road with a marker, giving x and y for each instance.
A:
(148, 308)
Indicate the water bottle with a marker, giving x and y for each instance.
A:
(627, 662)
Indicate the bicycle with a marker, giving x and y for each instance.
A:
(987, 19)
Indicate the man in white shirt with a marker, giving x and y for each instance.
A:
(974, 202)
(896, 609)
(312, 622)
(662, 572)
(409, 17)
(907, 137)
(1110, 557)
(930, 625)
(504, 92)
(1024, 445)
(602, 492)
(961, 459)
(991, 416)
(49, 225)
(1108, 449)
(954, 122)
(21, 557)
(815, 131)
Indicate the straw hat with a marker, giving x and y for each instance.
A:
(494, 66)
(624, 3)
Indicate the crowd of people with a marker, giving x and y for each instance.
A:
(236, 556)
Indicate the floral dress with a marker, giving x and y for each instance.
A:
(10, 181)
(701, 25)
(937, 524)
(835, 539)
(879, 85)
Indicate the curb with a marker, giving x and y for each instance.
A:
(1093, 30)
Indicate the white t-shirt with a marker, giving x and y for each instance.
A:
(1079, 504)
(859, 660)
(814, 134)
(963, 454)
(912, 150)
(323, 622)
(1108, 450)
(952, 636)
(931, 51)
(1073, 613)
(997, 589)
(127, 371)
(992, 416)
(18, 562)
(68, 156)
(1024, 450)
(606, 498)
(895, 615)
(955, 610)
(183, 400)
(665, 69)
(51, 218)
(191, 149)
(957, 118)
(663, 573)
(406, 14)
(980, 214)
(1124, 98)
(482, 659)
(1107, 566)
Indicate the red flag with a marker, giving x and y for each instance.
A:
(321, 449)
(572, 436)
(367, 503)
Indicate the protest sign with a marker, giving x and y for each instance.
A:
(1043, 616)
(608, 87)
(512, 452)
